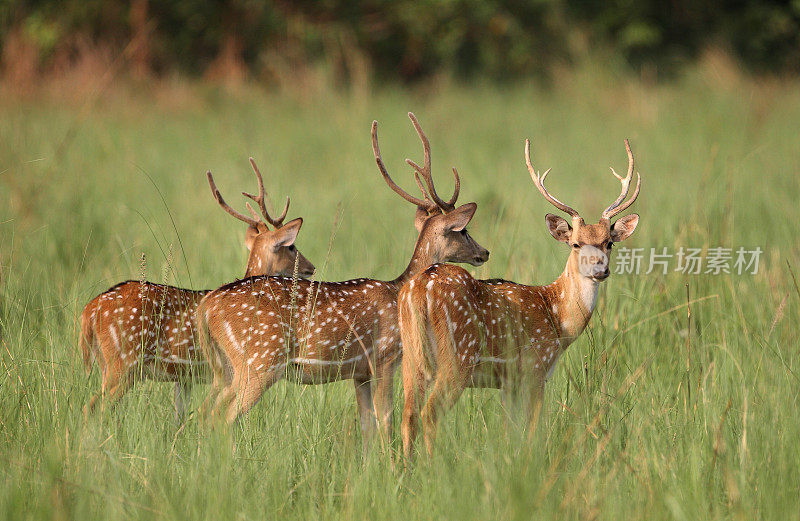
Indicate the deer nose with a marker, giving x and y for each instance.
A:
(483, 256)
(602, 275)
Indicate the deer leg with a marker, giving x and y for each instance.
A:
(366, 414)
(384, 401)
(414, 384)
(91, 407)
(449, 382)
(182, 392)
(225, 396)
(114, 389)
(443, 396)
(223, 393)
(216, 396)
(535, 405)
(513, 391)
(117, 379)
(207, 408)
(213, 355)
(105, 376)
(247, 393)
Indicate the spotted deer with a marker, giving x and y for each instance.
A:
(142, 329)
(460, 332)
(256, 331)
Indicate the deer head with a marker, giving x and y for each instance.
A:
(271, 251)
(441, 225)
(590, 243)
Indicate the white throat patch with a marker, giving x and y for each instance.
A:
(592, 261)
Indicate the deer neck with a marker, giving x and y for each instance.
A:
(257, 266)
(425, 254)
(573, 299)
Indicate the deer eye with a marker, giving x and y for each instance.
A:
(292, 248)
(609, 245)
(576, 245)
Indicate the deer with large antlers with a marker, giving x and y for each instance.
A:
(460, 332)
(256, 331)
(145, 329)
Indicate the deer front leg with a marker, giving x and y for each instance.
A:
(384, 401)
(535, 405)
(366, 414)
(182, 392)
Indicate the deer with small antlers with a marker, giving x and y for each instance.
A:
(144, 329)
(256, 331)
(460, 332)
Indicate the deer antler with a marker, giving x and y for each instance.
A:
(252, 222)
(618, 206)
(538, 180)
(425, 171)
(426, 203)
(261, 198)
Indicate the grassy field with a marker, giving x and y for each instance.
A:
(644, 417)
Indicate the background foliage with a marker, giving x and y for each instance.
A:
(405, 39)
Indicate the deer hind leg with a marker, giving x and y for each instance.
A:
(218, 389)
(417, 339)
(97, 398)
(212, 356)
(414, 385)
(450, 379)
(115, 380)
(443, 396)
(216, 395)
(245, 391)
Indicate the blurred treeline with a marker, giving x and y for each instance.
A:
(393, 39)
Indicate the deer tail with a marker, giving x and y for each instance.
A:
(86, 340)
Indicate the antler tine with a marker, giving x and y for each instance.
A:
(613, 209)
(624, 206)
(456, 190)
(252, 212)
(425, 171)
(538, 180)
(418, 180)
(224, 205)
(261, 199)
(282, 216)
(399, 191)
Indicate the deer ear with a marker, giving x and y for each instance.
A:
(250, 237)
(559, 227)
(624, 227)
(459, 218)
(287, 234)
(420, 218)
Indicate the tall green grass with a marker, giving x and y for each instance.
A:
(644, 417)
